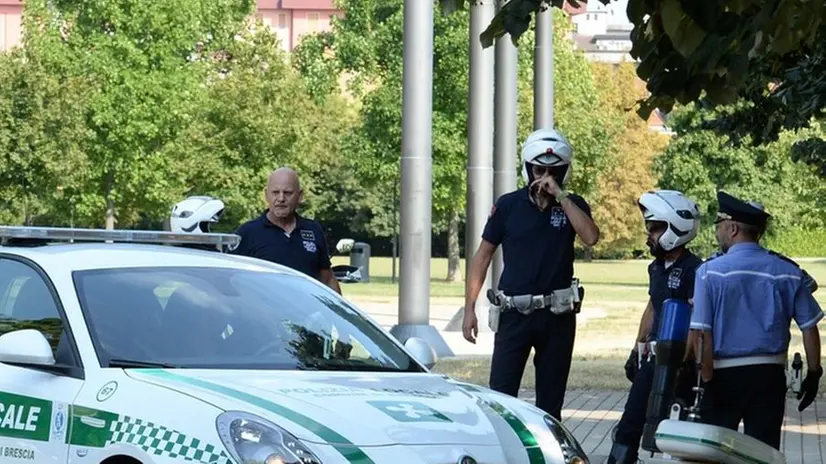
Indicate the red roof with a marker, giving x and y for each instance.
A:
(568, 8)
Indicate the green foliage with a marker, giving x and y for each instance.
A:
(143, 63)
(700, 162)
(683, 45)
(256, 116)
(768, 52)
(319, 74)
(367, 45)
(115, 111)
(629, 173)
(42, 131)
(577, 114)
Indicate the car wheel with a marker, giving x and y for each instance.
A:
(120, 460)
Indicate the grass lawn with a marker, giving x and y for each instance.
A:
(626, 273)
(619, 288)
(603, 280)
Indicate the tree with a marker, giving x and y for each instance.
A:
(42, 132)
(257, 115)
(367, 44)
(145, 64)
(630, 158)
(577, 114)
(700, 162)
(366, 47)
(768, 52)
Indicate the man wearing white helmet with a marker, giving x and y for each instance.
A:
(671, 221)
(537, 297)
(195, 215)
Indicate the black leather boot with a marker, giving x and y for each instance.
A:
(622, 454)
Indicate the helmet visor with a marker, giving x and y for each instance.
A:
(548, 159)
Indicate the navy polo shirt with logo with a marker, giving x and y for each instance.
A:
(675, 281)
(537, 246)
(304, 249)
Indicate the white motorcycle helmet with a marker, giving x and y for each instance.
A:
(547, 147)
(195, 214)
(681, 215)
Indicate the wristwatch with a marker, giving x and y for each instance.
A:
(561, 195)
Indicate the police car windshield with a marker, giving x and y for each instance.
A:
(222, 318)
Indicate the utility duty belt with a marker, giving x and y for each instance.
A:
(562, 301)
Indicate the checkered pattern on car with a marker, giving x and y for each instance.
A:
(161, 441)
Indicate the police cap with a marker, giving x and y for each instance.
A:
(737, 210)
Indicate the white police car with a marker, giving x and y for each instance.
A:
(123, 353)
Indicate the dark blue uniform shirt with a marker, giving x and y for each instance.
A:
(675, 281)
(304, 249)
(537, 246)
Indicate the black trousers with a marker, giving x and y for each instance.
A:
(754, 394)
(552, 338)
(630, 426)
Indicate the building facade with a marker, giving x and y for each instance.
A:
(289, 19)
(603, 32)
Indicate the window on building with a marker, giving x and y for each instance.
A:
(312, 22)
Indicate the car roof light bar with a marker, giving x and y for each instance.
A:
(11, 234)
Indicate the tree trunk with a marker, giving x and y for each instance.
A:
(110, 202)
(453, 258)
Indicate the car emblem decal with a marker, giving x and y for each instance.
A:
(409, 411)
(107, 391)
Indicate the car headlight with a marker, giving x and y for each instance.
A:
(571, 449)
(251, 439)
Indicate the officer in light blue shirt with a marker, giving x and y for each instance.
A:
(744, 302)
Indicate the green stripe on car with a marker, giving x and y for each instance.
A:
(97, 429)
(535, 454)
(344, 446)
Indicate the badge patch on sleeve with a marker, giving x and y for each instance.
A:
(310, 246)
(307, 235)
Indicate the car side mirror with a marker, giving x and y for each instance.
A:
(27, 347)
(421, 351)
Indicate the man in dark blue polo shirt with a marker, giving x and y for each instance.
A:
(282, 236)
(536, 226)
(672, 221)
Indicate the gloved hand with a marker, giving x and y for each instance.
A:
(631, 366)
(808, 388)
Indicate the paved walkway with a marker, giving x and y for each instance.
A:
(592, 415)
